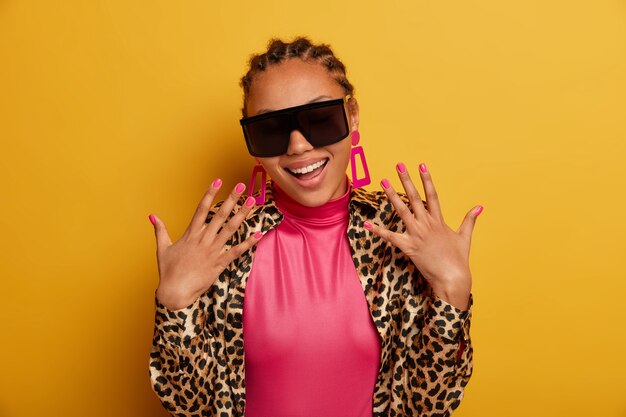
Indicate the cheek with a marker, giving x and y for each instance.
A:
(270, 164)
(341, 151)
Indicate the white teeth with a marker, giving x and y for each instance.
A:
(309, 168)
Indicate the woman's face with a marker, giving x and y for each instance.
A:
(291, 83)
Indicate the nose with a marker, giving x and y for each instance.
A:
(298, 143)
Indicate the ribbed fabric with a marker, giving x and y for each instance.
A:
(311, 347)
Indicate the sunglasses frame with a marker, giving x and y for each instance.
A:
(292, 112)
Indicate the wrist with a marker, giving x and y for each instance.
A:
(173, 298)
(457, 295)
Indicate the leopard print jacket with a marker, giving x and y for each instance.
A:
(197, 358)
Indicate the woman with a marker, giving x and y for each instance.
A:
(356, 303)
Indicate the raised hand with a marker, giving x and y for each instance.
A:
(190, 266)
(440, 253)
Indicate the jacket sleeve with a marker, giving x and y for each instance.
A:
(188, 367)
(444, 355)
(182, 359)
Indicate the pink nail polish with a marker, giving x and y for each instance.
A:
(151, 217)
(385, 183)
(217, 183)
(249, 201)
(479, 210)
(423, 168)
(401, 168)
(258, 235)
(240, 187)
(367, 225)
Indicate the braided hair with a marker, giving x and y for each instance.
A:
(301, 47)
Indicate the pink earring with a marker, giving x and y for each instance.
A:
(358, 150)
(260, 199)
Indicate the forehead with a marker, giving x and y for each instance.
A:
(290, 83)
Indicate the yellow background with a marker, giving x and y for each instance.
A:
(111, 110)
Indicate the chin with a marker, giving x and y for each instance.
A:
(314, 200)
(314, 191)
(312, 197)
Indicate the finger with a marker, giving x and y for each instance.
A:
(403, 210)
(199, 217)
(386, 234)
(413, 195)
(224, 211)
(467, 226)
(432, 199)
(233, 224)
(236, 251)
(162, 237)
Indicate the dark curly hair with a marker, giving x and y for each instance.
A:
(300, 47)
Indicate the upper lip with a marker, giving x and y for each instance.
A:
(305, 163)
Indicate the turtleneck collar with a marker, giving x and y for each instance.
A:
(332, 211)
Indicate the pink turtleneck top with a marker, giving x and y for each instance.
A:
(311, 347)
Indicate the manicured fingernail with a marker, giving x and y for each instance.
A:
(249, 201)
(479, 210)
(151, 217)
(401, 168)
(367, 225)
(217, 183)
(385, 183)
(239, 188)
(423, 168)
(258, 235)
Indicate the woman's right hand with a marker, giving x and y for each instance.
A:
(190, 266)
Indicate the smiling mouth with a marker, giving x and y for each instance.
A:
(310, 171)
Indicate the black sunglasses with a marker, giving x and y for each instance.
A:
(321, 123)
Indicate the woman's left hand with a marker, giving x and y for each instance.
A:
(440, 254)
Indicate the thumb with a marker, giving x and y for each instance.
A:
(467, 227)
(162, 237)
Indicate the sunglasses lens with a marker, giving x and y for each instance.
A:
(268, 137)
(325, 125)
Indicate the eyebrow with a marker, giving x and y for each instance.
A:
(318, 98)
